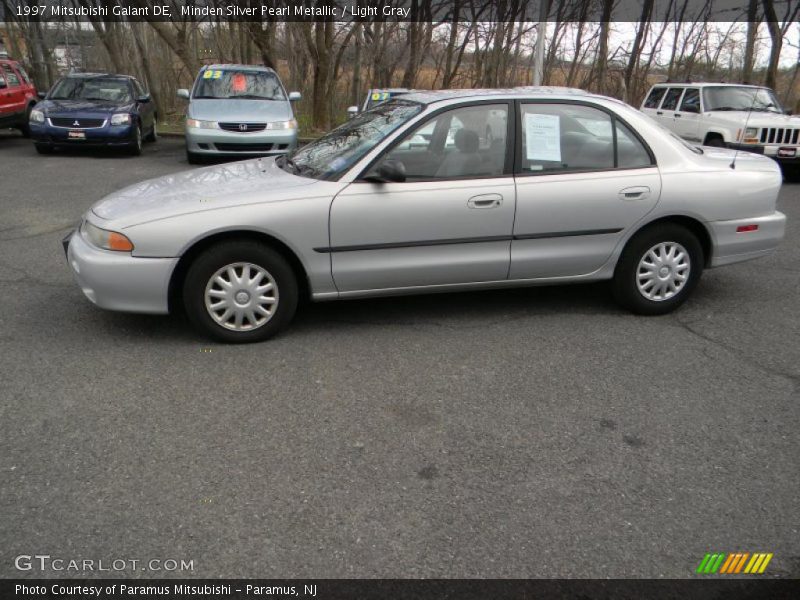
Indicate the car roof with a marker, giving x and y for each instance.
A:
(92, 75)
(429, 97)
(704, 84)
(222, 66)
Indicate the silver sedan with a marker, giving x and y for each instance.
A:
(436, 191)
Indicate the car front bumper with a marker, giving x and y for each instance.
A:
(782, 154)
(731, 246)
(106, 136)
(118, 280)
(220, 142)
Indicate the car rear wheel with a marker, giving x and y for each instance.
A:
(135, 147)
(658, 270)
(44, 148)
(239, 292)
(25, 128)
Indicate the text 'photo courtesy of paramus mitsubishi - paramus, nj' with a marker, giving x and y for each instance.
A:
(433, 191)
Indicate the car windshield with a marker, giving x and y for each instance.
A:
(101, 89)
(245, 85)
(331, 155)
(740, 98)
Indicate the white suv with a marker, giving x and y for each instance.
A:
(728, 115)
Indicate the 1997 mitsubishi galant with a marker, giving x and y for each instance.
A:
(428, 193)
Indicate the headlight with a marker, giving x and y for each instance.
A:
(108, 240)
(751, 132)
(282, 125)
(37, 116)
(120, 119)
(198, 124)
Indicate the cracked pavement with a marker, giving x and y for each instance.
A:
(539, 432)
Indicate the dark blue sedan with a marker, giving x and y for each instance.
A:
(94, 110)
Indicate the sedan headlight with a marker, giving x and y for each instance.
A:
(107, 240)
(198, 124)
(282, 125)
(37, 116)
(120, 119)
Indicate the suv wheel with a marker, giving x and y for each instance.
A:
(658, 270)
(25, 128)
(240, 292)
(716, 142)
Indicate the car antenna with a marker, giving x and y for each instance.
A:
(744, 131)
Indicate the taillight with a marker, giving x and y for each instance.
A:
(746, 228)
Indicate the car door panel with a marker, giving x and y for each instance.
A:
(395, 235)
(568, 225)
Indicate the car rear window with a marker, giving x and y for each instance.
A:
(654, 98)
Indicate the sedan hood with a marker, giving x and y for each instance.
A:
(70, 107)
(247, 182)
(233, 110)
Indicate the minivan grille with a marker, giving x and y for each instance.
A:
(243, 127)
(76, 123)
(779, 135)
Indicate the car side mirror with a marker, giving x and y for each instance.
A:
(352, 111)
(295, 96)
(144, 99)
(183, 93)
(389, 171)
(41, 95)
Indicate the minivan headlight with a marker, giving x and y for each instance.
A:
(37, 116)
(107, 240)
(282, 125)
(120, 119)
(198, 124)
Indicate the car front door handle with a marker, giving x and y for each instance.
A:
(635, 193)
(677, 114)
(658, 112)
(485, 201)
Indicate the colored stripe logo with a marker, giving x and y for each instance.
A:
(734, 563)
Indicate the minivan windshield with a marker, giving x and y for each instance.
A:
(740, 98)
(331, 155)
(221, 84)
(100, 89)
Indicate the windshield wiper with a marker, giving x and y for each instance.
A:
(251, 97)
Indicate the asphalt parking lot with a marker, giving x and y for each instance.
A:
(531, 433)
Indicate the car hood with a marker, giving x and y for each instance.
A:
(246, 182)
(230, 109)
(73, 107)
(758, 119)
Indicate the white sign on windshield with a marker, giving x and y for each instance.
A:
(543, 137)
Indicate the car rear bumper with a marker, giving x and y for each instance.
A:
(732, 246)
(220, 142)
(117, 280)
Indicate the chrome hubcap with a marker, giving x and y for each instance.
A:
(663, 271)
(241, 296)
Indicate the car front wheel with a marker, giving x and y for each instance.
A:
(240, 292)
(135, 147)
(658, 270)
(44, 148)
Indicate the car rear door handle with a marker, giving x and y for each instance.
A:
(658, 112)
(485, 201)
(677, 114)
(635, 193)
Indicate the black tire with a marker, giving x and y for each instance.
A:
(222, 255)
(44, 148)
(153, 135)
(25, 128)
(135, 147)
(193, 158)
(626, 276)
(716, 142)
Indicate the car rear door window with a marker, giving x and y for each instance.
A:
(462, 143)
(654, 97)
(11, 76)
(574, 137)
(671, 99)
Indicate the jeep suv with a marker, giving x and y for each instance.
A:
(17, 96)
(744, 117)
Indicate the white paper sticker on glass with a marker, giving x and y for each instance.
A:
(542, 137)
